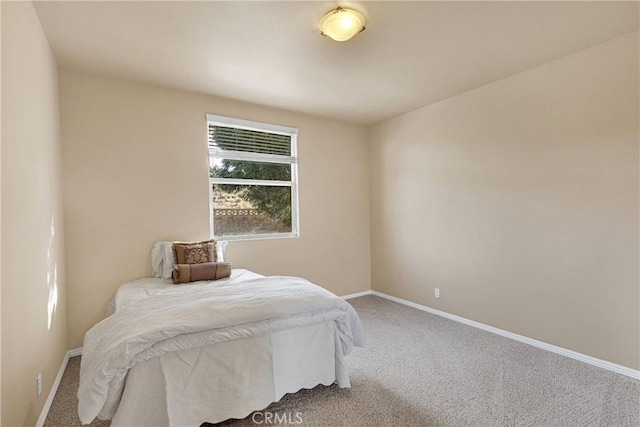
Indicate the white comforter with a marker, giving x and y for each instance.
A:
(155, 317)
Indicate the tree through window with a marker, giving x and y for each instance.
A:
(253, 179)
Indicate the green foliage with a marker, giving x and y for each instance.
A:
(274, 202)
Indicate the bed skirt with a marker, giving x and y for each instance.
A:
(230, 379)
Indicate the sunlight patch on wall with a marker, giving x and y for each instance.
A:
(52, 277)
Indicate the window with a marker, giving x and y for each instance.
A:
(252, 179)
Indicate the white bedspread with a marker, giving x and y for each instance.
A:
(152, 317)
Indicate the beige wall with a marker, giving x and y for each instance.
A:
(34, 336)
(0, 219)
(135, 171)
(519, 200)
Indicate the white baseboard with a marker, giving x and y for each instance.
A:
(356, 295)
(75, 352)
(52, 392)
(610, 366)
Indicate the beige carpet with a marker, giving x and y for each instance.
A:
(418, 369)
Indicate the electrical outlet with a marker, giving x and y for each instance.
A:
(437, 293)
(39, 384)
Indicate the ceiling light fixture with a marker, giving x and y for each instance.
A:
(341, 24)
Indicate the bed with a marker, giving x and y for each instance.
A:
(211, 351)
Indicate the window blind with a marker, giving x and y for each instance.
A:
(251, 141)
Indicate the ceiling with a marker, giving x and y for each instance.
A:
(412, 53)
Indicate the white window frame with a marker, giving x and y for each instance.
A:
(256, 157)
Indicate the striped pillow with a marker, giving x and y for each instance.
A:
(184, 273)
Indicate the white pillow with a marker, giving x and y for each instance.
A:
(162, 261)
(221, 248)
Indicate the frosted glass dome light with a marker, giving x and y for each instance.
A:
(342, 24)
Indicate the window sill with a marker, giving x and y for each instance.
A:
(257, 236)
